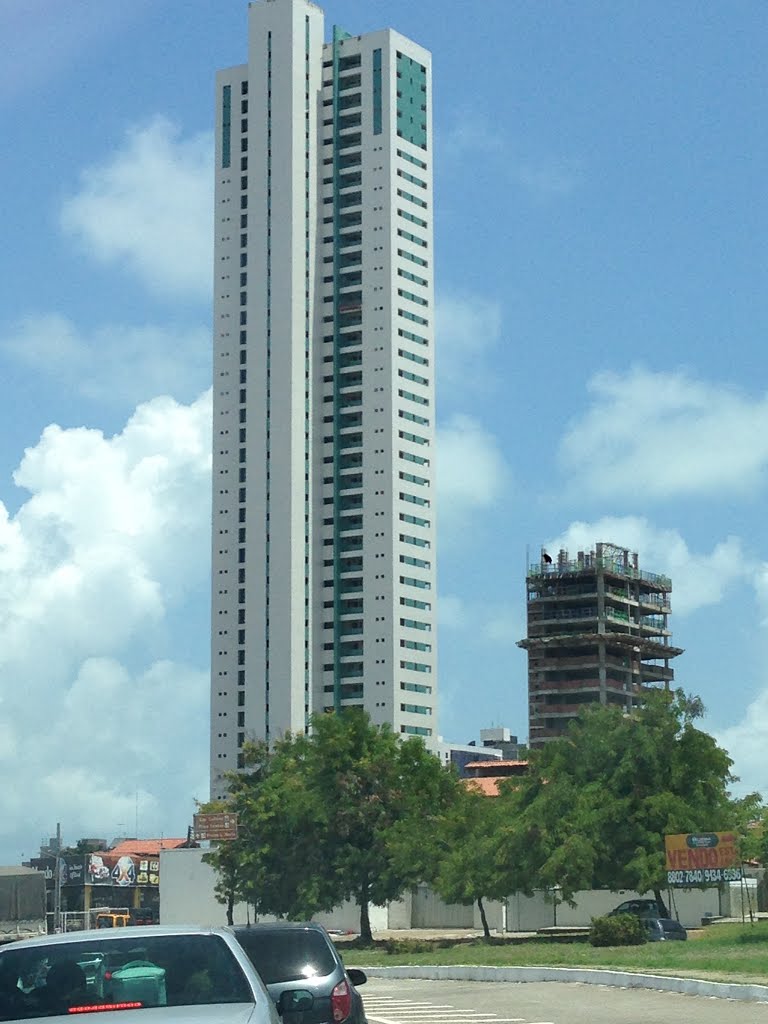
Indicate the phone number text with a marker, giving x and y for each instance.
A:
(703, 876)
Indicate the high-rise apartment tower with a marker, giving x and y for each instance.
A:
(598, 632)
(323, 590)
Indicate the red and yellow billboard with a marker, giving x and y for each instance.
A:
(696, 858)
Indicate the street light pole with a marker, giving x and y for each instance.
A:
(57, 882)
(555, 891)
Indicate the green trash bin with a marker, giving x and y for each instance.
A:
(139, 982)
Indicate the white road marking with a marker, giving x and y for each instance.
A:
(376, 1019)
(445, 1013)
(412, 1011)
(406, 1003)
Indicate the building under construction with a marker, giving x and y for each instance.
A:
(598, 631)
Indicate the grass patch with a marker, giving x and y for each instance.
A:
(719, 953)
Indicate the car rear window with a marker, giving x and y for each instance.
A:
(287, 955)
(94, 974)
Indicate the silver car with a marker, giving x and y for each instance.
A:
(178, 974)
(290, 955)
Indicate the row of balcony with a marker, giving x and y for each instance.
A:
(575, 685)
(572, 566)
(565, 710)
(541, 615)
(593, 660)
(659, 602)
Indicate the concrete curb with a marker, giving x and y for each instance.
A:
(586, 976)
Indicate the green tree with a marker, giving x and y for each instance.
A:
(466, 870)
(225, 857)
(348, 812)
(597, 804)
(750, 815)
(273, 865)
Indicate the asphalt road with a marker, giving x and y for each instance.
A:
(478, 1002)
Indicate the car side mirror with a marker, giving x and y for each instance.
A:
(356, 976)
(296, 1000)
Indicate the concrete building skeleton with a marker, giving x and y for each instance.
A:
(598, 631)
(323, 591)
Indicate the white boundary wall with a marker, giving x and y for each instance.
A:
(187, 897)
(529, 913)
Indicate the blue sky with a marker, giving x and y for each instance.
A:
(600, 224)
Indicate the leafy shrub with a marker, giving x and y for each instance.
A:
(396, 946)
(622, 930)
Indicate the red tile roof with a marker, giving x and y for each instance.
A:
(146, 847)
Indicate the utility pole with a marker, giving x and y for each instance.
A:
(57, 882)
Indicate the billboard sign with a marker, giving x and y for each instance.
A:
(702, 858)
(72, 870)
(123, 871)
(216, 827)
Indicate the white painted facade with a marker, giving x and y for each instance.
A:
(323, 587)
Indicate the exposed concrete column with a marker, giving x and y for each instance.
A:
(601, 675)
(600, 585)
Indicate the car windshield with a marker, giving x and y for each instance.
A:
(288, 955)
(118, 972)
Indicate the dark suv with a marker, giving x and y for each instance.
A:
(288, 956)
(640, 908)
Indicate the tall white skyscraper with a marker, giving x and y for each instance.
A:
(323, 590)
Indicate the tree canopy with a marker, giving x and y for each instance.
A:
(354, 812)
(595, 808)
(348, 812)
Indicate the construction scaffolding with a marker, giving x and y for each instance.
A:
(598, 632)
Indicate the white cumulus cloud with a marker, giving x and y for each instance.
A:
(468, 328)
(112, 538)
(666, 434)
(504, 624)
(760, 583)
(113, 361)
(149, 208)
(542, 176)
(698, 579)
(471, 470)
(452, 612)
(746, 742)
(499, 623)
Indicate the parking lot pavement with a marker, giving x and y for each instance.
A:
(391, 1009)
(452, 1002)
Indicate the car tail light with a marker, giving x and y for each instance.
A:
(104, 1007)
(341, 1001)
